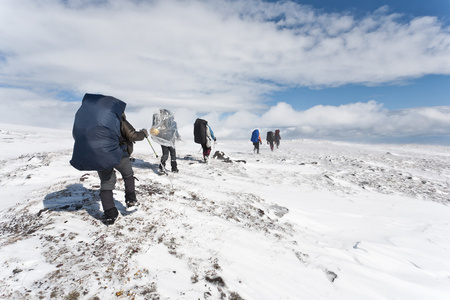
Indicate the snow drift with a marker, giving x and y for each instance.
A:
(311, 220)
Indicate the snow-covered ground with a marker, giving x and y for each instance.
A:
(311, 220)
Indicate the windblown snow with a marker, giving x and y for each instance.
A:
(310, 220)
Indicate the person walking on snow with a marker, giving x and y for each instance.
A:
(203, 135)
(164, 131)
(108, 177)
(103, 143)
(277, 138)
(270, 139)
(207, 146)
(256, 140)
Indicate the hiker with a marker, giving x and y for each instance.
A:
(256, 140)
(104, 142)
(270, 139)
(203, 135)
(164, 131)
(108, 177)
(277, 138)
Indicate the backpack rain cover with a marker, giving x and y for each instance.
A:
(200, 131)
(96, 131)
(255, 136)
(166, 128)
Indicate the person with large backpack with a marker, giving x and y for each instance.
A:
(103, 143)
(164, 131)
(270, 139)
(203, 135)
(277, 138)
(256, 140)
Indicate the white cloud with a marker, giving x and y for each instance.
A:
(356, 121)
(197, 50)
(208, 56)
(20, 106)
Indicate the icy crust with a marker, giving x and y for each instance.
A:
(313, 220)
(160, 240)
(16, 140)
(410, 171)
(423, 178)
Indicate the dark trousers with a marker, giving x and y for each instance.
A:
(256, 147)
(166, 150)
(108, 181)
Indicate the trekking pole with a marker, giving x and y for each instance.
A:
(151, 146)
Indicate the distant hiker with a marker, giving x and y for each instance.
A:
(164, 131)
(277, 138)
(270, 139)
(203, 135)
(256, 140)
(104, 142)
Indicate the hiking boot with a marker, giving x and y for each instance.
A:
(131, 203)
(130, 199)
(111, 216)
(174, 166)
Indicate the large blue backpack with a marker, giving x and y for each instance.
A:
(255, 136)
(96, 131)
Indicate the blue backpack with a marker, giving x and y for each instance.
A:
(96, 131)
(255, 136)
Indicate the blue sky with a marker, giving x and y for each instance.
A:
(347, 70)
(430, 90)
(439, 8)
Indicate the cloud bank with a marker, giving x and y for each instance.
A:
(220, 56)
(367, 122)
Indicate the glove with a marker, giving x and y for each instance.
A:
(215, 139)
(145, 132)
